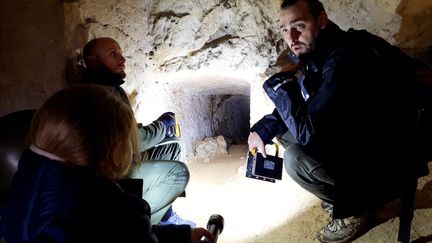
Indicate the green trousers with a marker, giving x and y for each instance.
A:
(162, 169)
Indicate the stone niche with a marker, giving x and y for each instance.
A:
(205, 60)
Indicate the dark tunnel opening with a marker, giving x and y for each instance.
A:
(231, 117)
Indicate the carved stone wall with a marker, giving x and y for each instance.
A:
(179, 54)
(31, 53)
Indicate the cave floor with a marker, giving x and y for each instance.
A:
(264, 212)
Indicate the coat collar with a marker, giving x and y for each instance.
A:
(102, 78)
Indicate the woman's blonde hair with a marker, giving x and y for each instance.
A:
(87, 125)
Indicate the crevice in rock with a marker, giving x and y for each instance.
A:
(208, 45)
(224, 3)
(89, 21)
(168, 15)
(214, 43)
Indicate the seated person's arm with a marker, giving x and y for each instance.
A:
(158, 130)
(151, 134)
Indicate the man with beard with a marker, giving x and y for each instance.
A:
(163, 181)
(348, 118)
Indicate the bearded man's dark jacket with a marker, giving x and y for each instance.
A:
(359, 121)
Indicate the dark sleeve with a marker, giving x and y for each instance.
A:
(269, 126)
(320, 115)
(106, 213)
(133, 224)
(295, 113)
(172, 233)
(151, 135)
(35, 199)
(297, 117)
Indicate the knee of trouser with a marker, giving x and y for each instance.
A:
(302, 167)
(182, 170)
(166, 168)
(291, 164)
(174, 167)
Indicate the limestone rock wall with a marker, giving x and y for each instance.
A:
(404, 23)
(180, 54)
(31, 53)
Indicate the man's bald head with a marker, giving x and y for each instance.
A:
(92, 47)
(89, 49)
(105, 53)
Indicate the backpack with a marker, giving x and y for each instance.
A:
(421, 88)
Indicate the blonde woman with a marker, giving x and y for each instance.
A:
(83, 139)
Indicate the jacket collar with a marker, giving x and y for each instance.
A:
(44, 153)
(101, 77)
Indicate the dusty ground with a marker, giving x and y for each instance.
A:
(263, 212)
